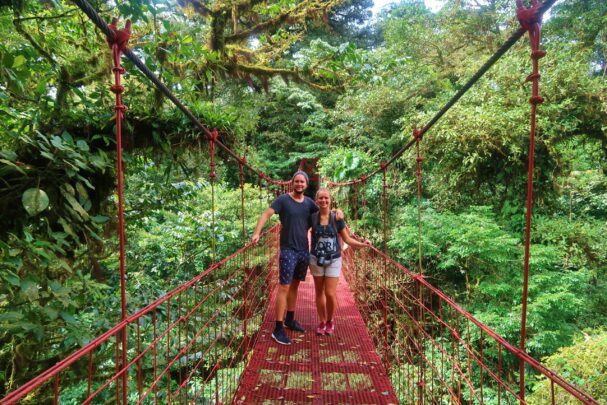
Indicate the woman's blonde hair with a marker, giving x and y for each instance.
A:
(323, 190)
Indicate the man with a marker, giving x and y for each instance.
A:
(293, 209)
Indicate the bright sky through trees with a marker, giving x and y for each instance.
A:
(433, 5)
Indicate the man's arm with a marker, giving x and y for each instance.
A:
(261, 222)
(339, 214)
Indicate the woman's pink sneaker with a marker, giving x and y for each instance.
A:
(330, 328)
(321, 329)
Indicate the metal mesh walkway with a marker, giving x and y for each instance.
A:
(343, 368)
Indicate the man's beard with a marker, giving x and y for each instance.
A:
(298, 192)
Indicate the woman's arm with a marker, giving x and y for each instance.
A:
(345, 235)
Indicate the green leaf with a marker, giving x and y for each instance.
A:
(76, 206)
(67, 317)
(34, 201)
(29, 290)
(82, 145)
(48, 155)
(12, 278)
(11, 164)
(18, 61)
(82, 191)
(100, 219)
(50, 313)
(8, 154)
(11, 316)
(67, 137)
(67, 228)
(57, 143)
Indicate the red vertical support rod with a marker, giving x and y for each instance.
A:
(118, 43)
(212, 175)
(244, 242)
(261, 176)
(417, 134)
(530, 19)
(385, 303)
(241, 170)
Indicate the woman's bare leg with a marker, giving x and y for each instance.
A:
(331, 294)
(321, 305)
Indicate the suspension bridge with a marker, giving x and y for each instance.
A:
(398, 338)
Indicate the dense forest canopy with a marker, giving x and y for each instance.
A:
(283, 80)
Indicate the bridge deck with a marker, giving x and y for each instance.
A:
(343, 368)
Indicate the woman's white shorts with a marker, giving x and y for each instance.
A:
(328, 270)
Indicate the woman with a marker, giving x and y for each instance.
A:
(325, 258)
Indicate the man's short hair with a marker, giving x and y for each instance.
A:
(302, 173)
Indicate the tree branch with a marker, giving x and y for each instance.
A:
(33, 43)
(68, 13)
(289, 16)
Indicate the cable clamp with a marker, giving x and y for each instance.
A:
(214, 135)
(528, 16)
(537, 54)
(535, 100)
(117, 89)
(121, 37)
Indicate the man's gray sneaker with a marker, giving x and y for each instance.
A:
(294, 325)
(280, 336)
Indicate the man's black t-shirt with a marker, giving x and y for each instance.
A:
(294, 220)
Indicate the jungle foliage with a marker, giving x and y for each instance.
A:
(281, 81)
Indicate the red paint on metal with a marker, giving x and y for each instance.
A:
(422, 319)
(118, 44)
(531, 20)
(342, 368)
(164, 370)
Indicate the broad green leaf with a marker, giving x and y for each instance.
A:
(11, 316)
(67, 317)
(82, 145)
(57, 143)
(18, 61)
(67, 137)
(83, 195)
(67, 228)
(11, 164)
(34, 201)
(8, 154)
(76, 206)
(100, 219)
(51, 313)
(11, 277)
(29, 290)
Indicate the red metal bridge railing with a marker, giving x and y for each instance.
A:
(436, 352)
(189, 346)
